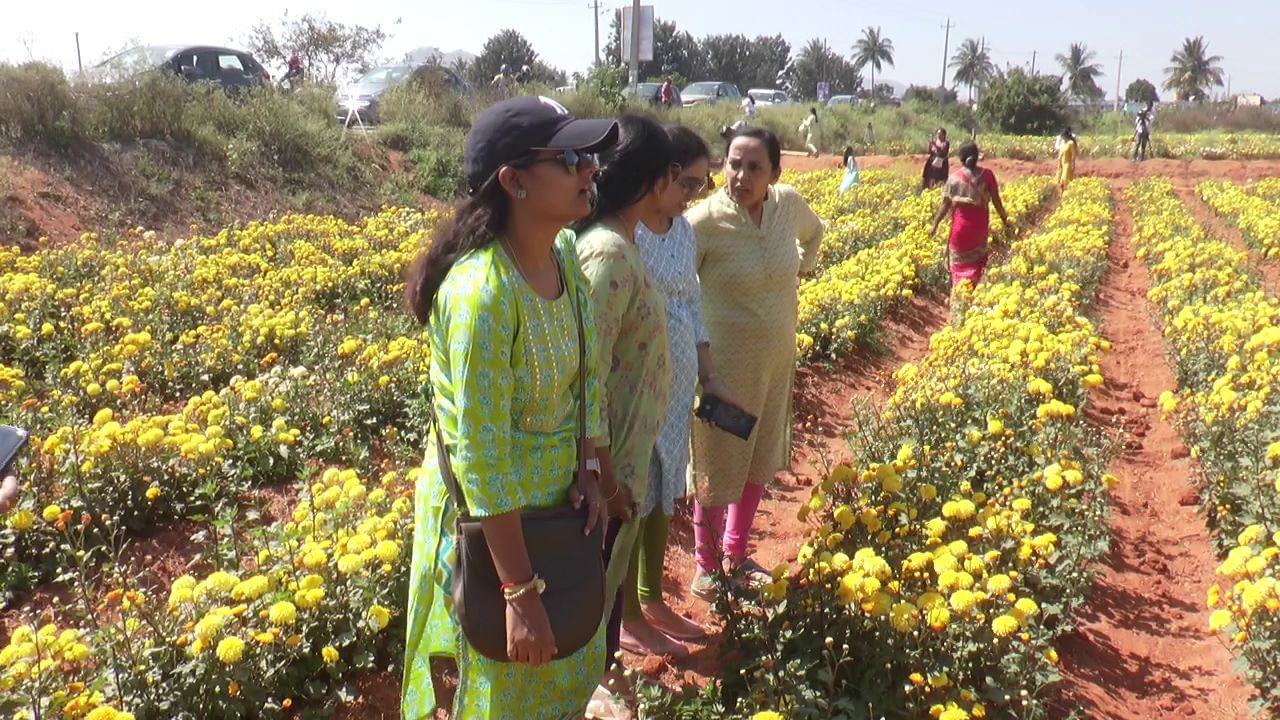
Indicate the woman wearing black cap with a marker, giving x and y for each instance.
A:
(498, 287)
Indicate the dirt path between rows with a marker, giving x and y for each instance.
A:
(1141, 649)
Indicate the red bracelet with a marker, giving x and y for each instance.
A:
(507, 586)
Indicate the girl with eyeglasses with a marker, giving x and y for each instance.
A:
(634, 371)
(667, 242)
(498, 289)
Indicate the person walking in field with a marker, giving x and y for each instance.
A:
(966, 199)
(1142, 132)
(811, 129)
(1067, 151)
(937, 165)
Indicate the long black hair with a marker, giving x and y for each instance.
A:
(640, 160)
(848, 153)
(969, 155)
(764, 135)
(476, 221)
(687, 146)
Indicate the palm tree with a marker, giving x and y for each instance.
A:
(1081, 73)
(1193, 70)
(875, 50)
(972, 64)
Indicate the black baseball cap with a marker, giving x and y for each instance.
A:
(512, 129)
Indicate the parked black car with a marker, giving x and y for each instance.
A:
(230, 68)
(360, 100)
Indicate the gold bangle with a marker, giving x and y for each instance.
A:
(516, 592)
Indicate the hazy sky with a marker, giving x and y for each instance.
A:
(1242, 31)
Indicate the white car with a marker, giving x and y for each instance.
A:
(765, 96)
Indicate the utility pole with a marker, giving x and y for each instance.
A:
(1033, 62)
(946, 48)
(595, 12)
(635, 45)
(1119, 69)
(79, 63)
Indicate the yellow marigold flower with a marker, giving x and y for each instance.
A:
(387, 551)
(939, 617)
(104, 712)
(330, 654)
(962, 601)
(230, 650)
(1027, 606)
(381, 616)
(283, 613)
(1004, 626)
(153, 493)
(102, 417)
(350, 563)
(844, 517)
(315, 559)
(51, 513)
(264, 638)
(1219, 620)
(767, 715)
(1051, 655)
(22, 520)
(954, 713)
(1252, 534)
(999, 584)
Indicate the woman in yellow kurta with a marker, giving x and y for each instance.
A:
(754, 238)
(1067, 151)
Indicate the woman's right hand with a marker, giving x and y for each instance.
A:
(529, 636)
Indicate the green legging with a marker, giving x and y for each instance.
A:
(644, 576)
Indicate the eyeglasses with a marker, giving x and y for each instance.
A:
(573, 160)
(691, 186)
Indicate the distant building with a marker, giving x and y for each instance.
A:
(1250, 100)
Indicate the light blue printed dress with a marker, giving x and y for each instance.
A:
(504, 371)
(672, 261)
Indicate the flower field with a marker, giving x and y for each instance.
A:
(255, 396)
(949, 556)
(1224, 333)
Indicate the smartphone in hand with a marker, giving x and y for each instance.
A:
(725, 415)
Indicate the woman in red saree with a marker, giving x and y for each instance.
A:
(966, 197)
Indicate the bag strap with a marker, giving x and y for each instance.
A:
(442, 456)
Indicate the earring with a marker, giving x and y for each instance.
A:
(521, 194)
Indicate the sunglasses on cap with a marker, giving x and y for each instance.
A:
(573, 160)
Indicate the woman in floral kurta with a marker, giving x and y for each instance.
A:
(504, 362)
(754, 238)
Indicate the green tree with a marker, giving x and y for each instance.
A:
(1193, 70)
(1142, 91)
(675, 52)
(510, 48)
(1023, 104)
(728, 58)
(927, 95)
(817, 62)
(872, 50)
(1080, 73)
(768, 57)
(327, 48)
(972, 65)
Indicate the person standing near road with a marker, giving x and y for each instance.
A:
(667, 94)
(1142, 132)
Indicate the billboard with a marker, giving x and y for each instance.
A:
(646, 34)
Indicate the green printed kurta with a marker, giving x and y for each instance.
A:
(504, 371)
(634, 368)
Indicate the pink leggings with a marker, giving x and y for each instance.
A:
(709, 525)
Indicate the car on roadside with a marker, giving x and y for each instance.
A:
(652, 93)
(228, 68)
(835, 100)
(710, 91)
(360, 102)
(767, 96)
